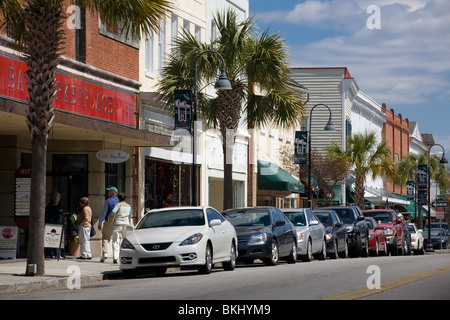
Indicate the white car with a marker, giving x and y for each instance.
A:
(180, 236)
(416, 239)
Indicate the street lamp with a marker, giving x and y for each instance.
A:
(328, 127)
(222, 83)
(443, 160)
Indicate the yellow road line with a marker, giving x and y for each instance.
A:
(391, 284)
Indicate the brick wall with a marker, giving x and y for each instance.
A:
(395, 133)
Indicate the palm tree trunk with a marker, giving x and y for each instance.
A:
(359, 191)
(42, 42)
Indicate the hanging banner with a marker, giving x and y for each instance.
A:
(422, 176)
(183, 109)
(422, 197)
(410, 189)
(301, 142)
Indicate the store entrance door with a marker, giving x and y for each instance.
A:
(70, 179)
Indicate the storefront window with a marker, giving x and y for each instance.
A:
(115, 176)
(166, 184)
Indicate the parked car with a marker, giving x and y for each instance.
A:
(181, 236)
(263, 233)
(336, 234)
(310, 233)
(443, 225)
(439, 238)
(377, 237)
(357, 233)
(393, 228)
(417, 241)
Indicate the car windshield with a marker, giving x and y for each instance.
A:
(440, 225)
(434, 233)
(242, 218)
(324, 218)
(172, 218)
(369, 224)
(297, 218)
(345, 214)
(412, 229)
(381, 216)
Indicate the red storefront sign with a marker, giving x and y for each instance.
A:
(74, 93)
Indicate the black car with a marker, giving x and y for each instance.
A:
(336, 233)
(357, 232)
(263, 233)
(438, 238)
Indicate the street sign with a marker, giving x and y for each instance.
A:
(439, 204)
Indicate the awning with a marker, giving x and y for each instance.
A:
(272, 177)
(379, 196)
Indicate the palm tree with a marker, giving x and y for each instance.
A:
(250, 61)
(37, 27)
(364, 156)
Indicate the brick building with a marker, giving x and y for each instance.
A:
(96, 116)
(396, 134)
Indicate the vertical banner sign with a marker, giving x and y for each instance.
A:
(410, 188)
(422, 176)
(422, 197)
(183, 109)
(22, 185)
(301, 142)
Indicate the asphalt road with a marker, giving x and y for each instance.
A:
(400, 277)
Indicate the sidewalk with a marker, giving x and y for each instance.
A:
(12, 273)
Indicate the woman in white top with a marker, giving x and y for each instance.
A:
(122, 220)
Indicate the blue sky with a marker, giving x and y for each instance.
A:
(405, 63)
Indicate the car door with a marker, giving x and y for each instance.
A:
(218, 235)
(315, 230)
(279, 230)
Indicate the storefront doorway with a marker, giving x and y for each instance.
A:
(70, 178)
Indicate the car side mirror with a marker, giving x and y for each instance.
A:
(313, 223)
(338, 225)
(398, 220)
(215, 222)
(420, 231)
(360, 218)
(280, 223)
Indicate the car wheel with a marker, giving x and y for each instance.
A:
(293, 256)
(230, 265)
(207, 267)
(273, 260)
(308, 256)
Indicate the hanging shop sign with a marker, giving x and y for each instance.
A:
(112, 155)
(74, 93)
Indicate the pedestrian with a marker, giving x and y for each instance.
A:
(105, 226)
(84, 228)
(121, 215)
(53, 216)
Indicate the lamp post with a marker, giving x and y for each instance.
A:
(443, 160)
(328, 127)
(222, 83)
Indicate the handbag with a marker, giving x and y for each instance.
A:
(93, 233)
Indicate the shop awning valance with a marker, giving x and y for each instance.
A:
(272, 177)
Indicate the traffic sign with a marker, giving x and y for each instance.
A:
(439, 204)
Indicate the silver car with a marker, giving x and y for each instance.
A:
(311, 235)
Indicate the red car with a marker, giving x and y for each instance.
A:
(377, 237)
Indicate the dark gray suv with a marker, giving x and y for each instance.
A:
(357, 233)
